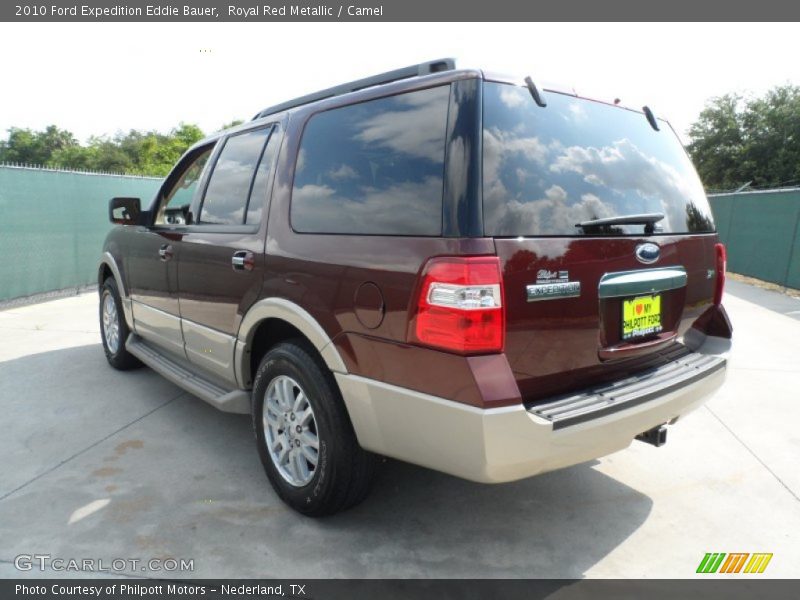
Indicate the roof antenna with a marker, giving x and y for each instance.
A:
(537, 97)
(651, 118)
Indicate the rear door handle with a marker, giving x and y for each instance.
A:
(243, 260)
(165, 252)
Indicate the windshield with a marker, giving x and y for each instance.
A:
(546, 169)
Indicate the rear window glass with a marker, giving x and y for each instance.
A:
(547, 169)
(374, 168)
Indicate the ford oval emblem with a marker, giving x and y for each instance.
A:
(648, 253)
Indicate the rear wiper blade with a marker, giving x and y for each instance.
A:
(648, 220)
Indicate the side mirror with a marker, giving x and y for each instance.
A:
(125, 211)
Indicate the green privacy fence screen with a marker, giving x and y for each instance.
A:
(52, 225)
(762, 232)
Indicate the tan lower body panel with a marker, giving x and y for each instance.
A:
(159, 327)
(211, 350)
(497, 445)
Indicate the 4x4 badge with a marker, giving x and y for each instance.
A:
(648, 253)
(551, 285)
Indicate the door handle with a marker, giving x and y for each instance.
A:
(243, 260)
(165, 252)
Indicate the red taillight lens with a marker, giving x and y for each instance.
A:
(460, 305)
(721, 266)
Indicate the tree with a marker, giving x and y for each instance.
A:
(135, 152)
(35, 147)
(756, 140)
(233, 123)
(717, 142)
(772, 124)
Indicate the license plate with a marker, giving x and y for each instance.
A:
(641, 316)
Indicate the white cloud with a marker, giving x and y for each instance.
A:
(623, 167)
(301, 160)
(551, 214)
(577, 113)
(498, 145)
(343, 172)
(424, 140)
(403, 207)
(514, 97)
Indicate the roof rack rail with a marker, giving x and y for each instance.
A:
(426, 68)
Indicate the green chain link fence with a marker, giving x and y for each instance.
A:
(762, 232)
(52, 225)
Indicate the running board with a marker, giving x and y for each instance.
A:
(231, 401)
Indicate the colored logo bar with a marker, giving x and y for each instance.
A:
(734, 562)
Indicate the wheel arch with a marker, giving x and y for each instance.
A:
(272, 320)
(108, 267)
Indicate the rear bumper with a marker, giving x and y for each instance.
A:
(506, 444)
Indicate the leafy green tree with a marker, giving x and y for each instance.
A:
(737, 141)
(772, 124)
(717, 142)
(233, 123)
(135, 152)
(35, 147)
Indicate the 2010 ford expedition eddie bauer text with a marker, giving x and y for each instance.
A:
(448, 267)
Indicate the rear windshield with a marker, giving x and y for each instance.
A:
(545, 169)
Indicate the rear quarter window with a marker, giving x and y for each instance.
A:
(545, 169)
(374, 168)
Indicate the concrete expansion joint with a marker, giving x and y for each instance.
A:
(752, 452)
(92, 445)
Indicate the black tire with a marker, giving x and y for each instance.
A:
(344, 471)
(120, 358)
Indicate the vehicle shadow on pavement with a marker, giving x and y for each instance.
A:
(102, 463)
(557, 524)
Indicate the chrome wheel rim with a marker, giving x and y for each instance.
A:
(110, 323)
(290, 431)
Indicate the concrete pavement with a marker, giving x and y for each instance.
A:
(102, 464)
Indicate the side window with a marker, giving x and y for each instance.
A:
(374, 168)
(228, 190)
(175, 204)
(260, 191)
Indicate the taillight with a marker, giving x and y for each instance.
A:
(460, 305)
(721, 258)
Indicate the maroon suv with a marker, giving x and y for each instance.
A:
(448, 267)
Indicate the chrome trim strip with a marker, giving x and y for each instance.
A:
(553, 291)
(643, 281)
